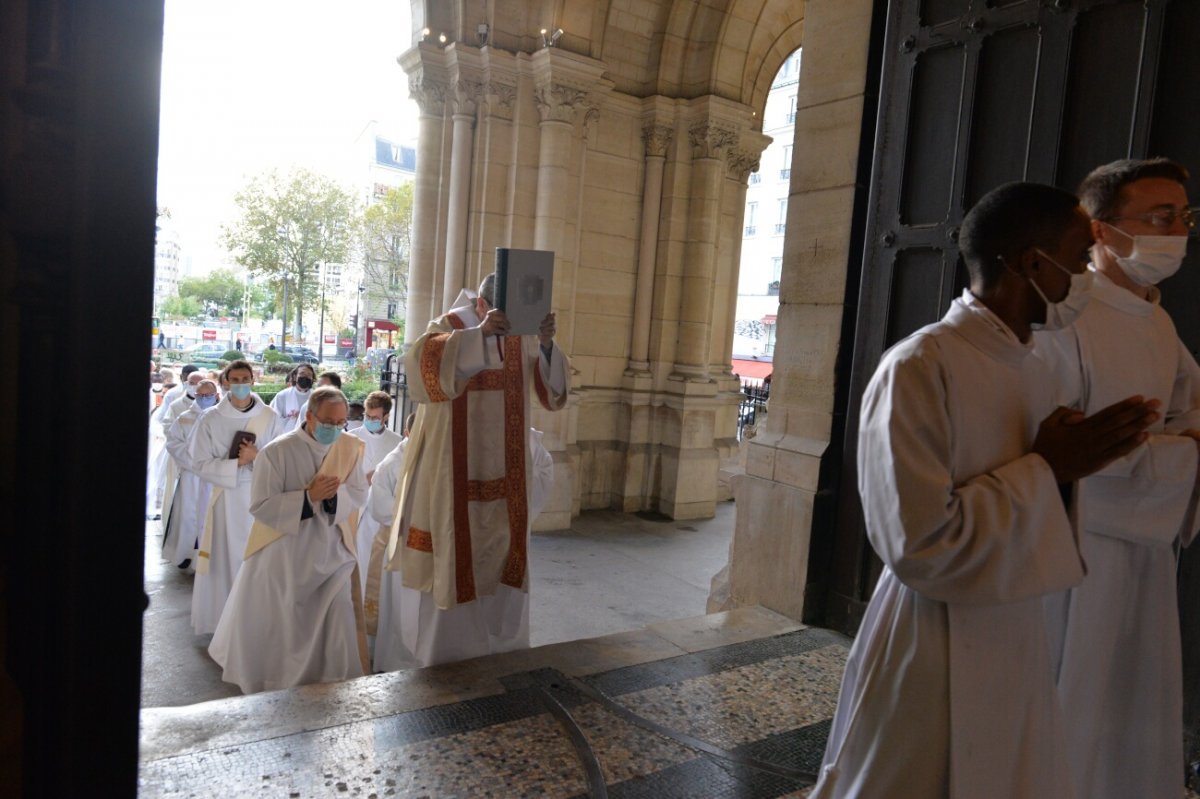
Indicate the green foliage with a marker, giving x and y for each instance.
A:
(180, 308)
(288, 227)
(275, 356)
(387, 245)
(231, 355)
(220, 292)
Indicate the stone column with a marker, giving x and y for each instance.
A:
(709, 141)
(466, 96)
(657, 139)
(492, 201)
(430, 93)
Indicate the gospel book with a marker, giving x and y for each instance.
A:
(524, 285)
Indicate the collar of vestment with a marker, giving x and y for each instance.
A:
(467, 314)
(226, 407)
(975, 322)
(1109, 293)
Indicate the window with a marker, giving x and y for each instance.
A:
(391, 311)
(791, 115)
(751, 210)
(781, 222)
(786, 172)
(755, 178)
(776, 268)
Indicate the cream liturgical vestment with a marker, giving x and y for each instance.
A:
(1120, 679)
(185, 522)
(171, 475)
(291, 618)
(461, 534)
(227, 519)
(948, 690)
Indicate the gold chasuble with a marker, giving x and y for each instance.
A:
(462, 521)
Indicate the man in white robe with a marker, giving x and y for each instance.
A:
(460, 537)
(1120, 679)
(171, 471)
(374, 432)
(394, 653)
(948, 690)
(156, 480)
(227, 519)
(185, 516)
(292, 618)
(287, 403)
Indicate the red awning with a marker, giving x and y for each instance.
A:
(382, 324)
(749, 368)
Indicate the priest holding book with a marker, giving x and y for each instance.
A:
(459, 538)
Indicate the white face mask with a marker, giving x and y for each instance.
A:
(1063, 313)
(1153, 258)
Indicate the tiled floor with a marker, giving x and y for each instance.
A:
(682, 709)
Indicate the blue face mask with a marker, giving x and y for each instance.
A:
(240, 390)
(326, 433)
(205, 401)
(373, 425)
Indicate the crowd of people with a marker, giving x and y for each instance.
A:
(321, 539)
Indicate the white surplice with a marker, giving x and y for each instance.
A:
(1120, 679)
(290, 617)
(378, 445)
(171, 473)
(156, 461)
(287, 404)
(230, 509)
(381, 501)
(184, 520)
(949, 690)
(413, 631)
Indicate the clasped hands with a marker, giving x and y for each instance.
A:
(1075, 445)
(322, 487)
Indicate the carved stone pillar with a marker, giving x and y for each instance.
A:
(428, 87)
(492, 204)
(657, 139)
(466, 98)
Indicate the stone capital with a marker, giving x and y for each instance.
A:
(430, 95)
(741, 163)
(499, 99)
(711, 140)
(562, 102)
(467, 95)
(657, 139)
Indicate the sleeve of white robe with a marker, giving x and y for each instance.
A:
(543, 474)
(178, 445)
(210, 457)
(381, 499)
(270, 502)
(995, 537)
(553, 369)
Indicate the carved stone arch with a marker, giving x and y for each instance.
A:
(760, 74)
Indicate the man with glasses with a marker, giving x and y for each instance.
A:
(1117, 633)
(185, 521)
(221, 457)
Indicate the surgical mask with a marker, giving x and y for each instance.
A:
(205, 401)
(240, 390)
(373, 425)
(326, 433)
(304, 383)
(1063, 313)
(1153, 258)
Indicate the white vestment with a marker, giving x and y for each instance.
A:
(290, 618)
(156, 471)
(460, 539)
(287, 404)
(410, 621)
(381, 502)
(378, 445)
(948, 690)
(171, 472)
(184, 519)
(229, 510)
(1120, 681)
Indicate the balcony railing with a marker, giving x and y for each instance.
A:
(755, 178)
(779, 226)
(785, 174)
(751, 230)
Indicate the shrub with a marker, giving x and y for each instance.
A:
(275, 356)
(231, 355)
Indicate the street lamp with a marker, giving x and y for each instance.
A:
(321, 329)
(358, 316)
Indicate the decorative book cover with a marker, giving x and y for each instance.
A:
(524, 285)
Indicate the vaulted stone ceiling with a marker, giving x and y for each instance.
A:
(676, 48)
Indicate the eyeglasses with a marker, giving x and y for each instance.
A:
(1165, 219)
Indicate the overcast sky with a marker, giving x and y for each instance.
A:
(249, 85)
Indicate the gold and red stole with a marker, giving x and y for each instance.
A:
(424, 564)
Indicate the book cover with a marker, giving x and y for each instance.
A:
(524, 286)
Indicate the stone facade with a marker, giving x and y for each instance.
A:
(625, 147)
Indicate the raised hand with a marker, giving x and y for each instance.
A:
(1076, 446)
(495, 323)
(547, 330)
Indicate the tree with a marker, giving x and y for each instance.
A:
(387, 246)
(288, 227)
(221, 292)
(180, 308)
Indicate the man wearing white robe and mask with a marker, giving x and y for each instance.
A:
(185, 515)
(374, 432)
(156, 480)
(227, 519)
(391, 650)
(294, 616)
(171, 471)
(948, 690)
(1120, 679)
(287, 403)
(459, 539)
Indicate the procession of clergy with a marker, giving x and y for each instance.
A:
(313, 537)
(1028, 471)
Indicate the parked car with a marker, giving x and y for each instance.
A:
(302, 354)
(204, 351)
